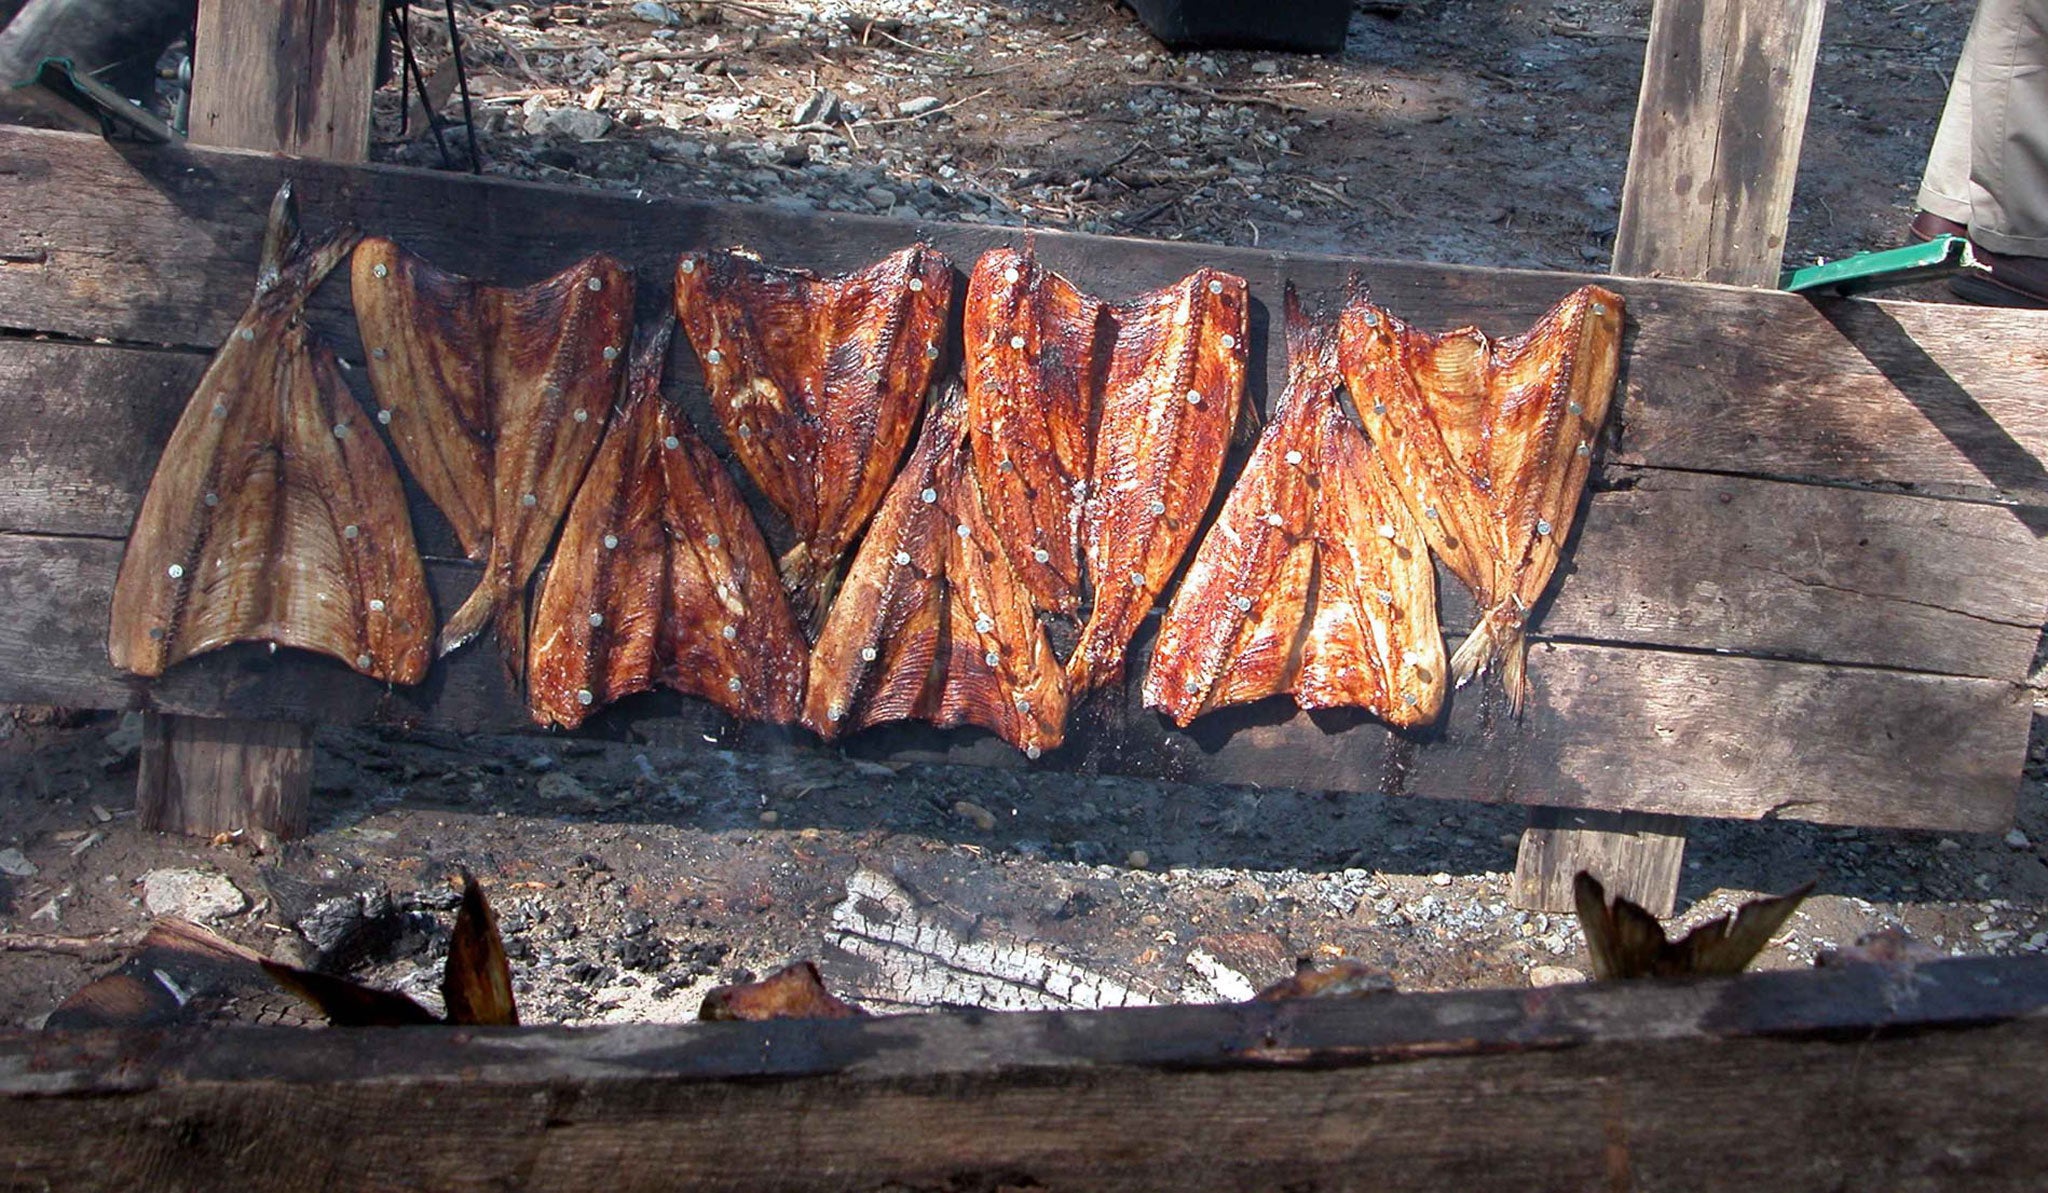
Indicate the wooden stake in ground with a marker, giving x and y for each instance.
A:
(1708, 196)
(293, 76)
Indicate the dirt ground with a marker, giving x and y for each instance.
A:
(631, 876)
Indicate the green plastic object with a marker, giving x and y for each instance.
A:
(1938, 258)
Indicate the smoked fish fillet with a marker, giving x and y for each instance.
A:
(1490, 444)
(661, 577)
(817, 384)
(1169, 410)
(1033, 344)
(275, 514)
(496, 398)
(1314, 579)
(931, 622)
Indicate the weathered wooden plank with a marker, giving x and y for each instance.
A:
(1719, 120)
(204, 775)
(160, 247)
(1635, 855)
(1665, 559)
(1767, 1081)
(1612, 727)
(289, 77)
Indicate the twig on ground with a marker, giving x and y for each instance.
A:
(932, 112)
(1226, 97)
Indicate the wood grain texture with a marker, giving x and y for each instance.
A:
(201, 776)
(1662, 558)
(1636, 855)
(1719, 121)
(1610, 726)
(1815, 1079)
(1934, 397)
(294, 76)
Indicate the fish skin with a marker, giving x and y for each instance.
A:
(1284, 593)
(283, 513)
(484, 384)
(1154, 446)
(687, 562)
(817, 384)
(622, 496)
(932, 620)
(722, 576)
(419, 325)
(1030, 414)
(894, 609)
(1485, 448)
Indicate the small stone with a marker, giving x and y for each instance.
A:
(15, 865)
(819, 107)
(191, 894)
(123, 743)
(881, 198)
(980, 817)
(2017, 839)
(770, 818)
(659, 14)
(1439, 879)
(1137, 859)
(576, 124)
(1265, 66)
(560, 787)
(919, 106)
(1554, 975)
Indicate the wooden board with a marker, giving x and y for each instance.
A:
(1880, 634)
(292, 77)
(1939, 398)
(1860, 1078)
(204, 775)
(1625, 727)
(1719, 119)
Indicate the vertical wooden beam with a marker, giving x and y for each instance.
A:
(204, 776)
(1719, 121)
(293, 76)
(288, 75)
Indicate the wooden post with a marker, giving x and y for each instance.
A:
(293, 76)
(1708, 196)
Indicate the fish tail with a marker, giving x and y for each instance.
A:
(476, 612)
(510, 625)
(1496, 639)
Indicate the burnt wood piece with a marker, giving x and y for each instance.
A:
(1865, 1077)
(1937, 398)
(1616, 727)
(1661, 558)
(1719, 119)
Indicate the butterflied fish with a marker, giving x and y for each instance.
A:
(931, 622)
(1627, 942)
(1490, 443)
(661, 576)
(1313, 580)
(496, 398)
(1169, 410)
(1032, 350)
(275, 514)
(817, 384)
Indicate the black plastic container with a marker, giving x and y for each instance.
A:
(1304, 26)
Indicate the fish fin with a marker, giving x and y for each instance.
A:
(1727, 945)
(347, 1003)
(472, 617)
(476, 985)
